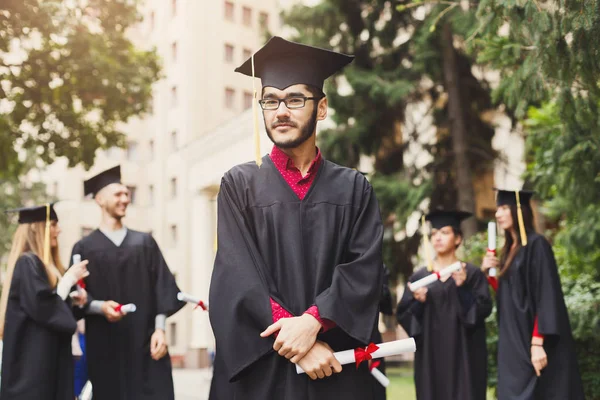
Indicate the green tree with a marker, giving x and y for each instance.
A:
(549, 63)
(69, 75)
(391, 80)
(547, 55)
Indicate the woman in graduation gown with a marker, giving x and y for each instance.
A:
(447, 320)
(536, 355)
(36, 322)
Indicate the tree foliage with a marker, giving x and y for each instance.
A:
(69, 75)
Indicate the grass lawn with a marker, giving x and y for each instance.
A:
(402, 386)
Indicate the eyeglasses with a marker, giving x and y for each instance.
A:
(290, 102)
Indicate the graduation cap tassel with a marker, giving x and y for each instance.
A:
(47, 236)
(427, 247)
(521, 223)
(255, 118)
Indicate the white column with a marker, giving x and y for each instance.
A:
(202, 243)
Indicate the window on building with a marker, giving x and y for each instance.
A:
(174, 96)
(247, 16)
(174, 141)
(263, 21)
(151, 149)
(229, 10)
(132, 151)
(173, 334)
(174, 51)
(173, 8)
(173, 188)
(132, 193)
(229, 49)
(173, 235)
(229, 98)
(152, 21)
(151, 195)
(247, 53)
(247, 100)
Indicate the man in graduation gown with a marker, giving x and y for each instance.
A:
(298, 269)
(127, 354)
(447, 320)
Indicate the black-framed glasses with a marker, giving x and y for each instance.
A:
(290, 102)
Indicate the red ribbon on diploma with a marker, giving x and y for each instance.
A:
(361, 354)
(201, 305)
(81, 283)
(374, 365)
(437, 274)
(118, 308)
(491, 251)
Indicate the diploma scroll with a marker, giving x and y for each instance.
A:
(126, 308)
(81, 283)
(382, 350)
(492, 243)
(191, 299)
(381, 378)
(435, 276)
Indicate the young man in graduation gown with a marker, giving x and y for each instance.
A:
(536, 351)
(127, 354)
(447, 319)
(298, 269)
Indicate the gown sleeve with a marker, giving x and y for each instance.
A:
(475, 298)
(165, 288)
(239, 297)
(544, 284)
(352, 299)
(410, 311)
(39, 301)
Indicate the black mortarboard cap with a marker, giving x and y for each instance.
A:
(509, 197)
(281, 63)
(29, 215)
(103, 179)
(441, 218)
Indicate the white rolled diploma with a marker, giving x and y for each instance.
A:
(191, 299)
(435, 276)
(492, 242)
(381, 378)
(128, 308)
(77, 260)
(392, 348)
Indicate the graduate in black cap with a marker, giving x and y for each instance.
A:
(536, 355)
(127, 354)
(36, 321)
(298, 271)
(447, 319)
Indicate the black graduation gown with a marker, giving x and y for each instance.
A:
(449, 330)
(323, 250)
(119, 362)
(530, 287)
(36, 362)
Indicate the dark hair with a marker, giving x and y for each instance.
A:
(457, 232)
(507, 254)
(315, 91)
